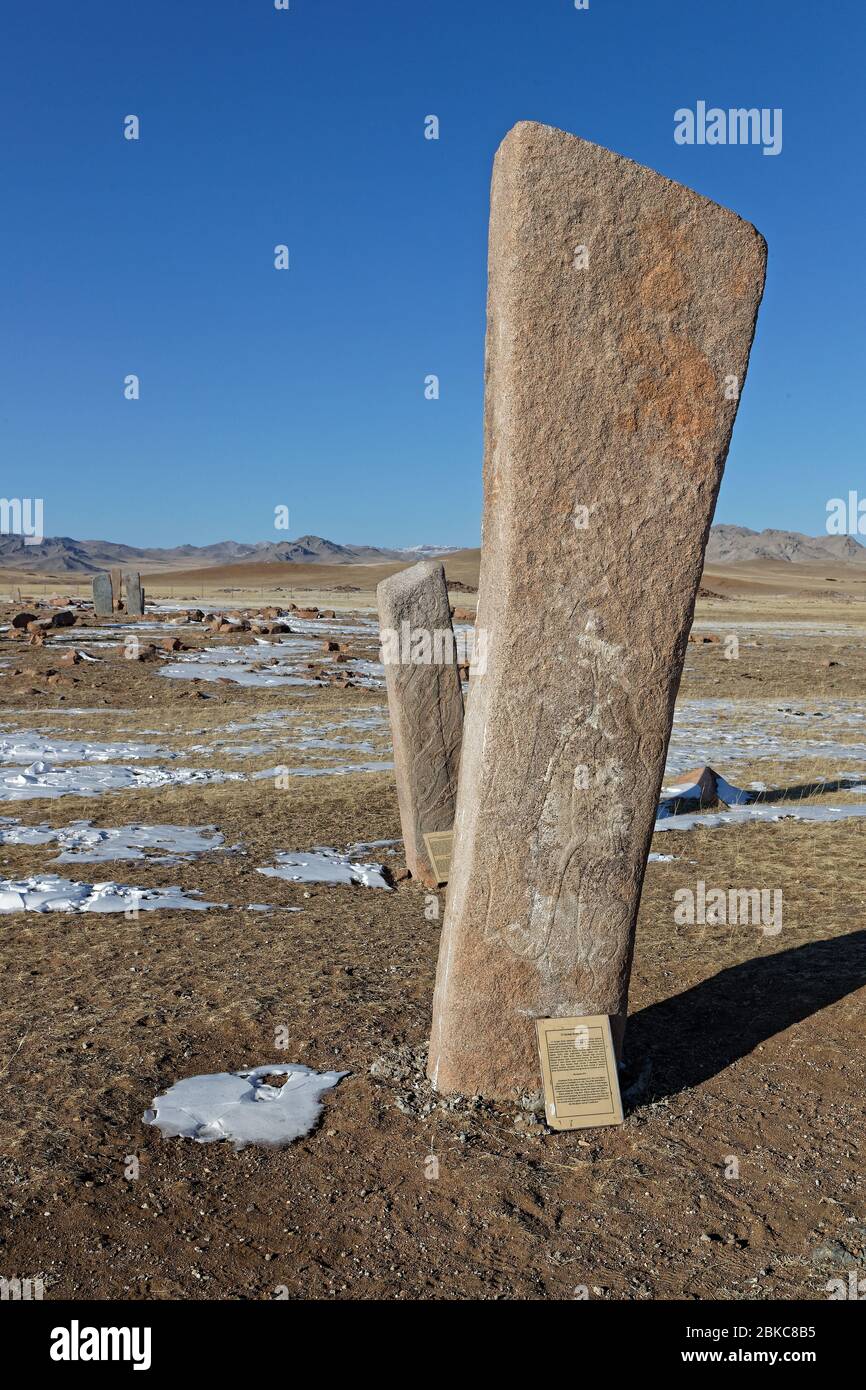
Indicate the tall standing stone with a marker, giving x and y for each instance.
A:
(425, 702)
(621, 309)
(116, 586)
(134, 593)
(102, 605)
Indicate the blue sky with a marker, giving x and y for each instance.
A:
(305, 388)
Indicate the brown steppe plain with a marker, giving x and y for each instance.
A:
(754, 1042)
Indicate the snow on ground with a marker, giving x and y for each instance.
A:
(207, 669)
(321, 865)
(276, 661)
(343, 770)
(242, 1106)
(31, 748)
(288, 736)
(50, 893)
(42, 779)
(725, 731)
(741, 814)
(83, 842)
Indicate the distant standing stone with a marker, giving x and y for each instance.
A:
(102, 605)
(621, 310)
(425, 702)
(134, 593)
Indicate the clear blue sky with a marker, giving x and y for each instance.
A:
(305, 388)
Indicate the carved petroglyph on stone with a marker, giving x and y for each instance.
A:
(606, 431)
(425, 704)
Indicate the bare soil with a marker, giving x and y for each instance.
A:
(744, 1049)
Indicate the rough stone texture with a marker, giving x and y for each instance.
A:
(605, 389)
(116, 585)
(425, 702)
(102, 604)
(134, 593)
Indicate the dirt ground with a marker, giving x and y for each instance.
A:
(744, 1049)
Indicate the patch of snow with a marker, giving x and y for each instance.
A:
(234, 750)
(322, 865)
(269, 773)
(717, 731)
(84, 842)
(364, 846)
(241, 675)
(50, 893)
(41, 779)
(31, 748)
(777, 812)
(240, 1106)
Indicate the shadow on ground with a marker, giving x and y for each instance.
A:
(697, 1034)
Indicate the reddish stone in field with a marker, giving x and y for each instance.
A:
(621, 310)
(425, 703)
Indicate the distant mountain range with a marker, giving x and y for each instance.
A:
(63, 555)
(728, 545)
(731, 545)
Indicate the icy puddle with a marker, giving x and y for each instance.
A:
(83, 842)
(321, 865)
(50, 893)
(42, 779)
(261, 1105)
